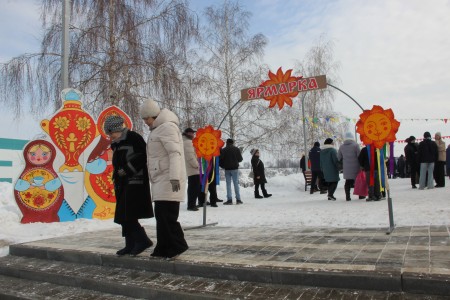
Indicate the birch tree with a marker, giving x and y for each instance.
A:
(120, 52)
(229, 60)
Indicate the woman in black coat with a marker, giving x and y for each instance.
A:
(259, 178)
(131, 185)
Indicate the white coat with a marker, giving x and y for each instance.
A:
(165, 158)
(190, 157)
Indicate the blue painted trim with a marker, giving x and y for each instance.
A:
(6, 180)
(5, 163)
(12, 144)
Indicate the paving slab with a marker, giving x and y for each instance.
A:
(410, 259)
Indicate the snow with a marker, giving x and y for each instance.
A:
(289, 207)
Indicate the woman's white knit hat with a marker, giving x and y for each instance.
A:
(149, 109)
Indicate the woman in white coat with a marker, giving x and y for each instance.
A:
(167, 174)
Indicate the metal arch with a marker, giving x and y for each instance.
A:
(346, 95)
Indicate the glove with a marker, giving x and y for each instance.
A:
(121, 173)
(175, 185)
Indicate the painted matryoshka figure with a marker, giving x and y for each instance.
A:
(38, 191)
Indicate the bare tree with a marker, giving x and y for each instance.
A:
(319, 60)
(120, 52)
(228, 61)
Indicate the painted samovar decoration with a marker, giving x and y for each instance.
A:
(76, 179)
(71, 129)
(38, 191)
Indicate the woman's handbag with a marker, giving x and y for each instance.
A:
(361, 188)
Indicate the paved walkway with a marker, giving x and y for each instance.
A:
(410, 259)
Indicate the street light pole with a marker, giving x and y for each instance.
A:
(304, 131)
(390, 208)
(65, 45)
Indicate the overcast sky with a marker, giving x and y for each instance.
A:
(393, 53)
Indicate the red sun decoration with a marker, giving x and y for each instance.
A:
(207, 142)
(283, 96)
(377, 126)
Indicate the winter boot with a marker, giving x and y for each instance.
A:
(129, 245)
(257, 195)
(142, 242)
(265, 194)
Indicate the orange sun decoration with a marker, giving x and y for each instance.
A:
(282, 97)
(377, 126)
(207, 142)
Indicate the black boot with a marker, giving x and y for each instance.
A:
(142, 242)
(257, 195)
(129, 245)
(265, 194)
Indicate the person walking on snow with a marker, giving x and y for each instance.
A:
(167, 173)
(439, 167)
(329, 167)
(428, 155)
(131, 185)
(412, 159)
(230, 157)
(316, 173)
(192, 171)
(348, 153)
(259, 177)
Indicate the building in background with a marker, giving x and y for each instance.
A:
(11, 159)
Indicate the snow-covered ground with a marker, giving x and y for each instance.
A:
(290, 206)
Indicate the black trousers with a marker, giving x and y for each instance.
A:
(169, 233)
(439, 173)
(130, 226)
(374, 191)
(413, 168)
(212, 189)
(193, 190)
(349, 184)
(332, 186)
(263, 188)
(317, 180)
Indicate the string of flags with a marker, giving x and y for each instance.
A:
(354, 120)
(418, 140)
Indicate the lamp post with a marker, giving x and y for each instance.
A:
(390, 208)
(65, 45)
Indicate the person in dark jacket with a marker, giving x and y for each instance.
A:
(259, 177)
(439, 166)
(364, 162)
(303, 164)
(316, 173)
(401, 166)
(329, 165)
(230, 157)
(447, 153)
(428, 155)
(131, 184)
(412, 159)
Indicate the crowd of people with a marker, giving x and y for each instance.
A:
(425, 163)
(151, 178)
